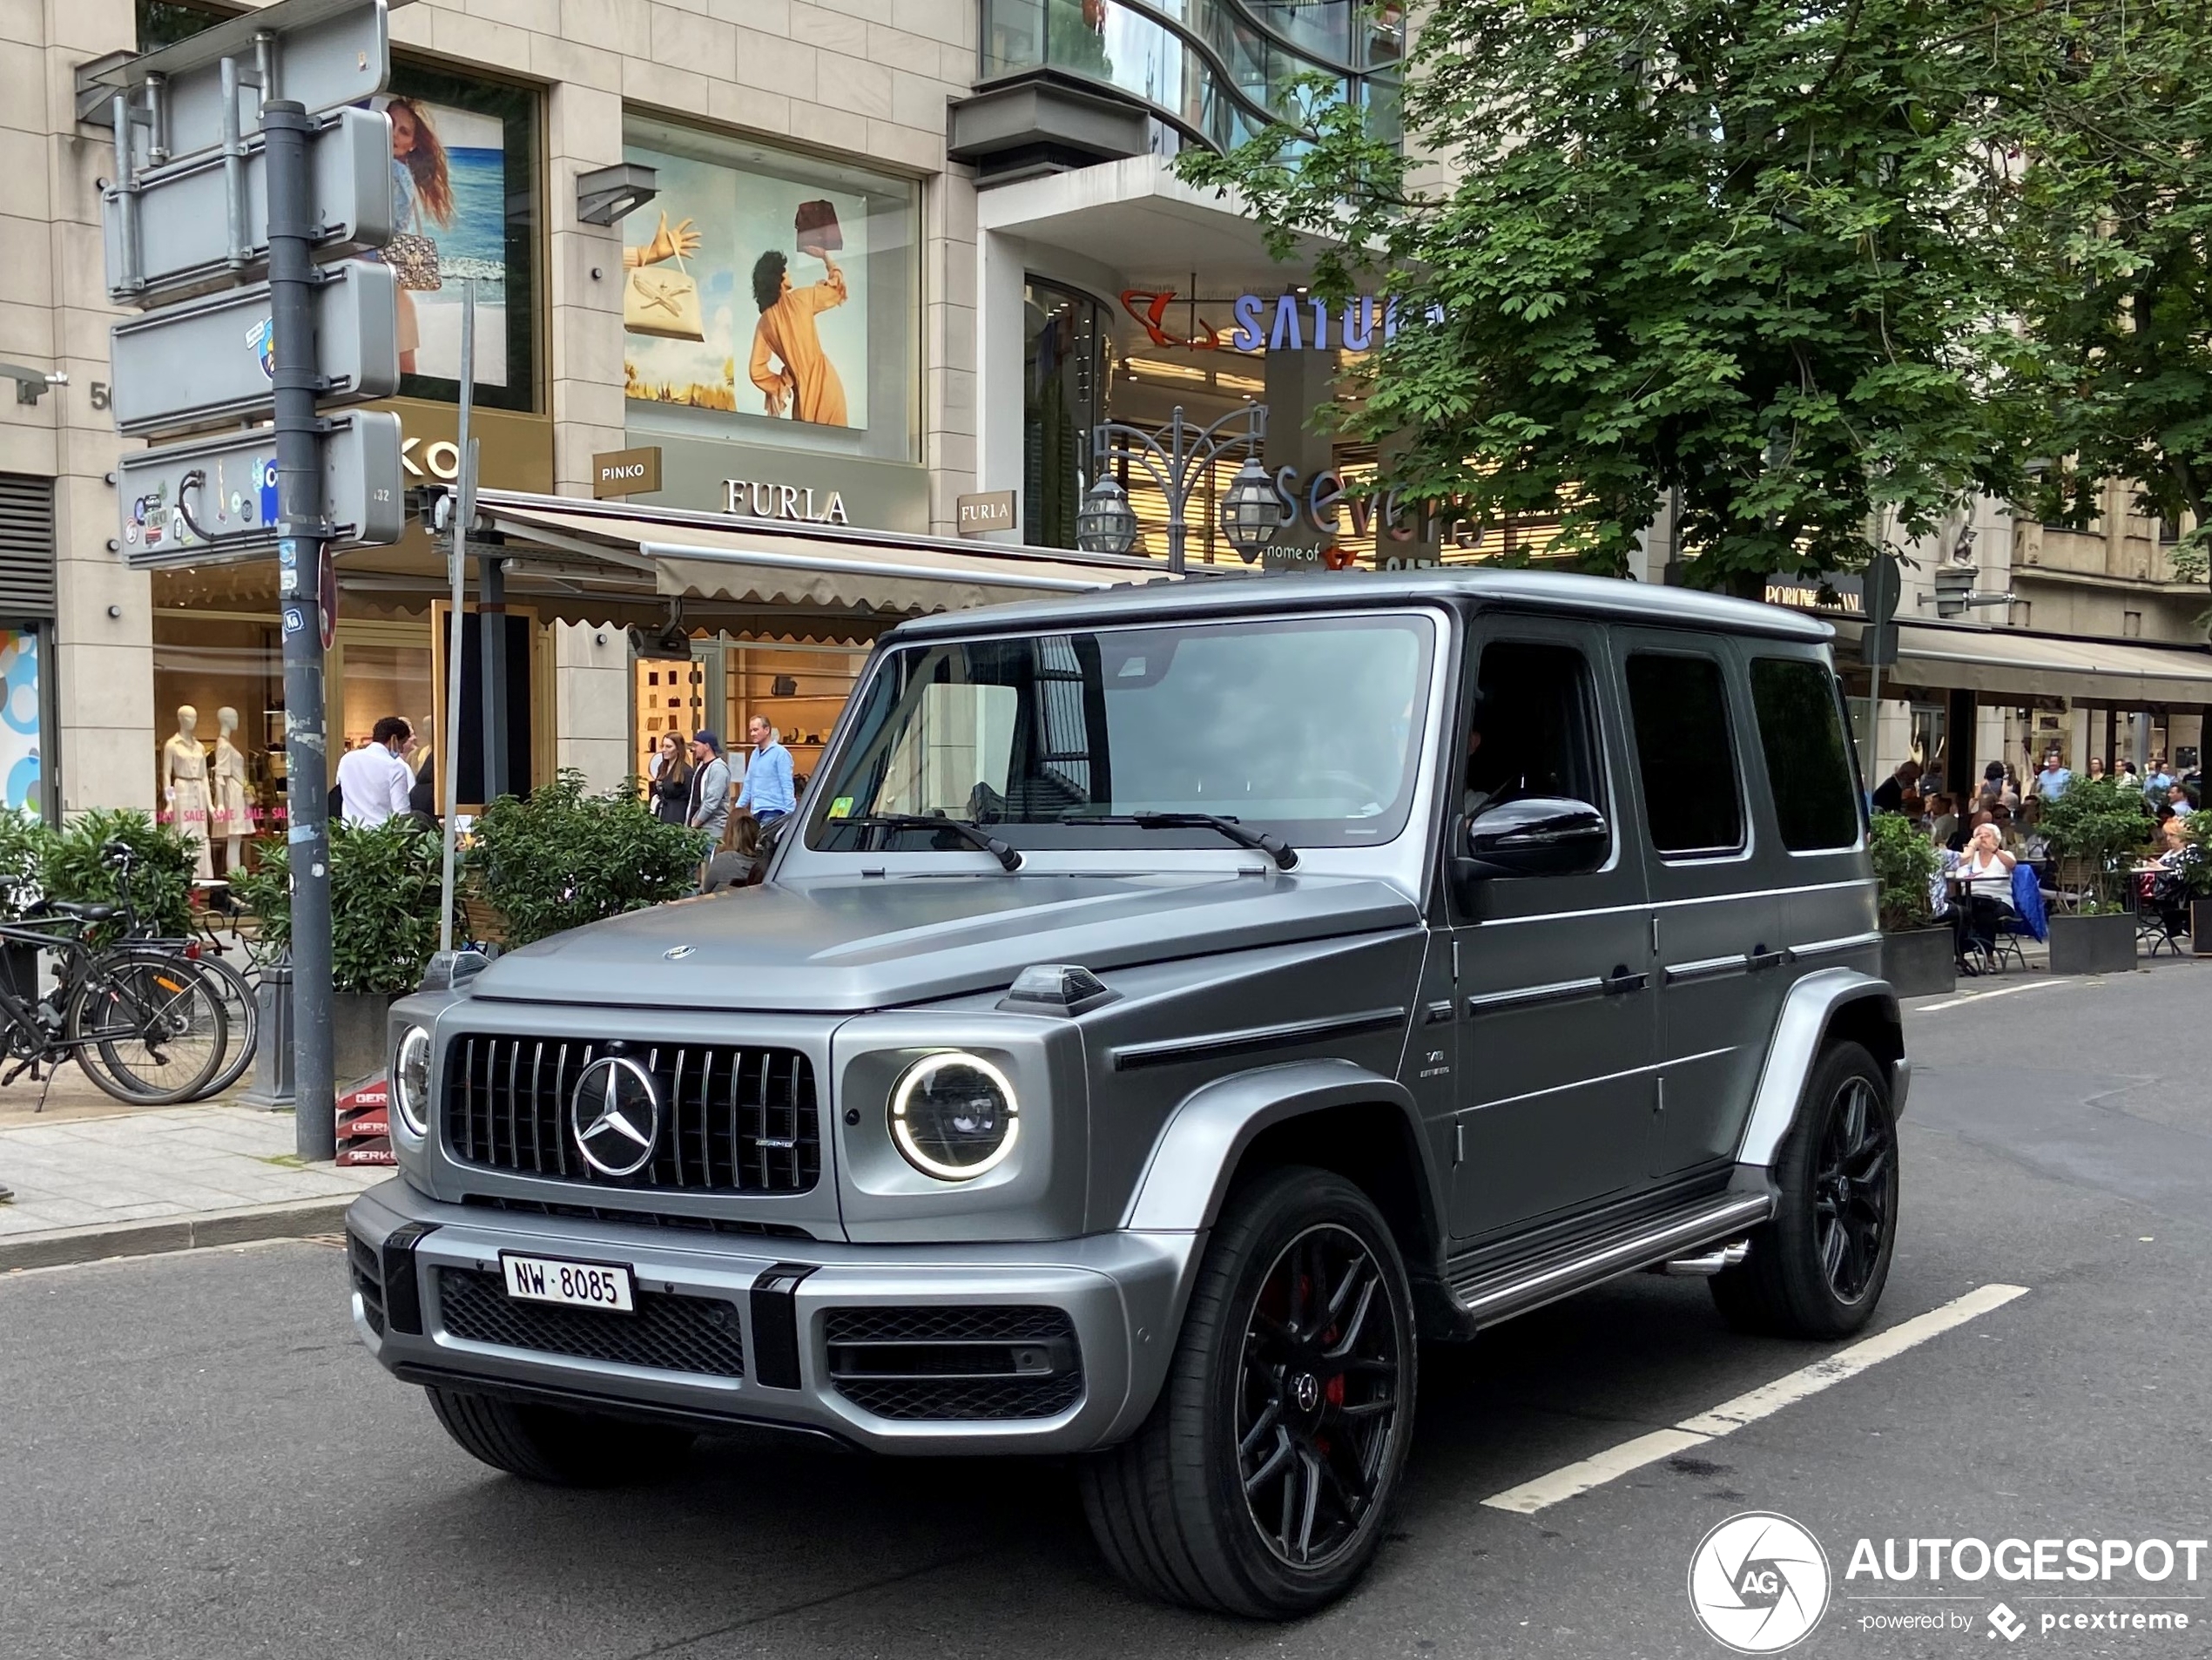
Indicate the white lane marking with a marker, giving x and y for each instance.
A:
(1982, 996)
(1616, 1462)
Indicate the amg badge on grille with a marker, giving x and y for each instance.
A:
(614, 1116)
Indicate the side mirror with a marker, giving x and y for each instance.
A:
(1539, 835)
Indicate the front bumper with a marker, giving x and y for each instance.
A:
(1121, 1293)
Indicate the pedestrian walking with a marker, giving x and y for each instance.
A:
(373, 780)
(709, 793)
(767, 794)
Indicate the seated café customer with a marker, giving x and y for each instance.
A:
(1943, 820)
(1987, 869)
(2033, 843)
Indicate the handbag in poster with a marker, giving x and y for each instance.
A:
(663, 303)
(815, 230)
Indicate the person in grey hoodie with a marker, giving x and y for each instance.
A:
(710, 785)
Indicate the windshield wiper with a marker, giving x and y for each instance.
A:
(1275, 847)
(1008, 856)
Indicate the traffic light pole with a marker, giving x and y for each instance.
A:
(303, 589)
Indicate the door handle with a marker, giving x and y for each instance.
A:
(1760, 957)
(1622, 980)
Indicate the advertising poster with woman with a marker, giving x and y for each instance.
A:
(746, 293)
(450, 193)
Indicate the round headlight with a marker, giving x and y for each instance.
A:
(955, 1116)
(411, 1081)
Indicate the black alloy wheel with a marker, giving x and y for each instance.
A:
(1851, 1203)
(1817, 1267)
(1318, 1405)
(1262, 1482)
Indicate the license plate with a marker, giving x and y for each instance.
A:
(573, 1285)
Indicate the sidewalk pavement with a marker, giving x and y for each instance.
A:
(94, 1177)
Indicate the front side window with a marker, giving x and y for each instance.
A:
(1685, 754)
(1808, 764)
(1307, 728)
(1531, 730)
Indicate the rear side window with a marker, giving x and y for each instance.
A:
(1684, 756)
(1801, 730)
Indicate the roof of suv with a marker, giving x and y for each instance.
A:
(1604, 597)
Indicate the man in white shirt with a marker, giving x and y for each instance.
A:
(373, 781)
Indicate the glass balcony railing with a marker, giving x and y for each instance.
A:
(1213, 71)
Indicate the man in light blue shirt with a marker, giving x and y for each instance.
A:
(2051, 783)
(767, 793)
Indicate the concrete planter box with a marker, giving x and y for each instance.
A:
(1920, 963)
(2201, 927)
(357, 1021)
(2093, 944)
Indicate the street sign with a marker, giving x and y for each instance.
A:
(183, 211)
(215, 499)
(324, 54)
(212, 358)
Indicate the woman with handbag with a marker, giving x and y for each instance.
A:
(421, 180)
(788, 363)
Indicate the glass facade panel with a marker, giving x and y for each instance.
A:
(771, 297)
(1066, 356)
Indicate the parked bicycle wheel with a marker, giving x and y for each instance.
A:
(241, 1009)
(148, 1029)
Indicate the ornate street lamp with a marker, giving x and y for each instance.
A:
(1107, 523)
(1251, 512)
(1176, 465)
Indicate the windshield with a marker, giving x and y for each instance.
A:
(1304, 726)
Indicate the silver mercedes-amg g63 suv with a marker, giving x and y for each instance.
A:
(1168, 1008)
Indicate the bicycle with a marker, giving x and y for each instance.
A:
(144, 1026)
(237, 992)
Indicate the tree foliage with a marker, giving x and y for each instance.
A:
(1752, 251)
(2118, 229)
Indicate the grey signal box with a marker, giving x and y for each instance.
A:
(209, 359)
(215, 499)
(185, 239)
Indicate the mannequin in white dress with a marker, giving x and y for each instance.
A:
(184, 784)
(231, 817)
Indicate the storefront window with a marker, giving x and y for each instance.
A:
(771, 297)
(22, 719)
(464, 168)
(801, 690)
(1067, 352)
(218, 685)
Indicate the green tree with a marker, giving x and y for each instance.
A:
(2118, 229)
(1745, 250)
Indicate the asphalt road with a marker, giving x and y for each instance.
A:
(198, 1461)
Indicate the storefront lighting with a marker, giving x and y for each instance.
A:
(1107, 523)
(1251, 510)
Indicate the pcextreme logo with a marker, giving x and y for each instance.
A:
(1758, 1583)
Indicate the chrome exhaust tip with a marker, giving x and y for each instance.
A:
(1704, 1266)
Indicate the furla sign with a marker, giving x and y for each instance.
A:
(752, 498)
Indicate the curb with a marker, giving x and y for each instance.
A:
(291, 1219)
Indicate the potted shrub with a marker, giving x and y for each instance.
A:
(384, 881)
(562, 857)
(1918, 959)
(72, 866)
(23, 837)
(2099, 825)
(2196, 872)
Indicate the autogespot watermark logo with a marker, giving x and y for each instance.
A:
(1758, 1583)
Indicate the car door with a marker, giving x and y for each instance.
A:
(1718, 931)
(1554, 1010)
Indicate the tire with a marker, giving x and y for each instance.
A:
(241, 1009)
(148, 1029)
(1168, 1507)
(557, 1446)
(1816, 1269)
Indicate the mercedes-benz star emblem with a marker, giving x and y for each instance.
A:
(678, 953)
(614, 1116)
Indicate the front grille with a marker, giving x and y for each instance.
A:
(638, 1218)
(954, 1363)
(733, 1120)
(666, 1334)
(367, 1275)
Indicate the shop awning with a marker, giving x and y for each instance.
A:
(783, 568)
(2008, 661)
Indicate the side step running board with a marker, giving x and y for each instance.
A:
(1499, 1295)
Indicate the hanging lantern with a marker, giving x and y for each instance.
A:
(1251, 511)
(1107, 523)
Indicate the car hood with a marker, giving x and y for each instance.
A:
(873, 942)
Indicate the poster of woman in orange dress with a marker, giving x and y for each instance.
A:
(788, 363)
